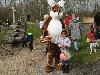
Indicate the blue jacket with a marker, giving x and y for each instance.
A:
(29, 38)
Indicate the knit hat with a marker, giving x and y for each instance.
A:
(29, 33)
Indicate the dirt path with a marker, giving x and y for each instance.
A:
(24, 62)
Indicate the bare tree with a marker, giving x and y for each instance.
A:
(37, 8)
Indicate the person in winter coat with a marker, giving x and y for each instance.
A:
(67, 21)
(64, 44)
(91, 38)
(75, 29)
(30, 40)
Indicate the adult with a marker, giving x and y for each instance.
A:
(67, 21)
(97, 25)
(75, 31)
(41, 23)
(52, 30)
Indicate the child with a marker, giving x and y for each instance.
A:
(30, 40)
(64, 44)
(97, 34)
(91, 37)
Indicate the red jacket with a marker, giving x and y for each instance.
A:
(91, 36)
(67, 20)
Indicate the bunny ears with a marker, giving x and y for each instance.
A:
(61, 3)
(52, 3)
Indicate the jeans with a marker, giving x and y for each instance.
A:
(75, 44)
(92, 47)
(65, 62)
(65, 66)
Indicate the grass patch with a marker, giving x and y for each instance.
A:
(84, 56)
(2, 34)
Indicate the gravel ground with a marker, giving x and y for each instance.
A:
(21, 61)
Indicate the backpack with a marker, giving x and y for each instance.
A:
(29, 38)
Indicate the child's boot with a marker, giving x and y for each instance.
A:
(67, 68)
(63, 68)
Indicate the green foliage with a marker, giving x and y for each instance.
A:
(2, 34)
(34, 29)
